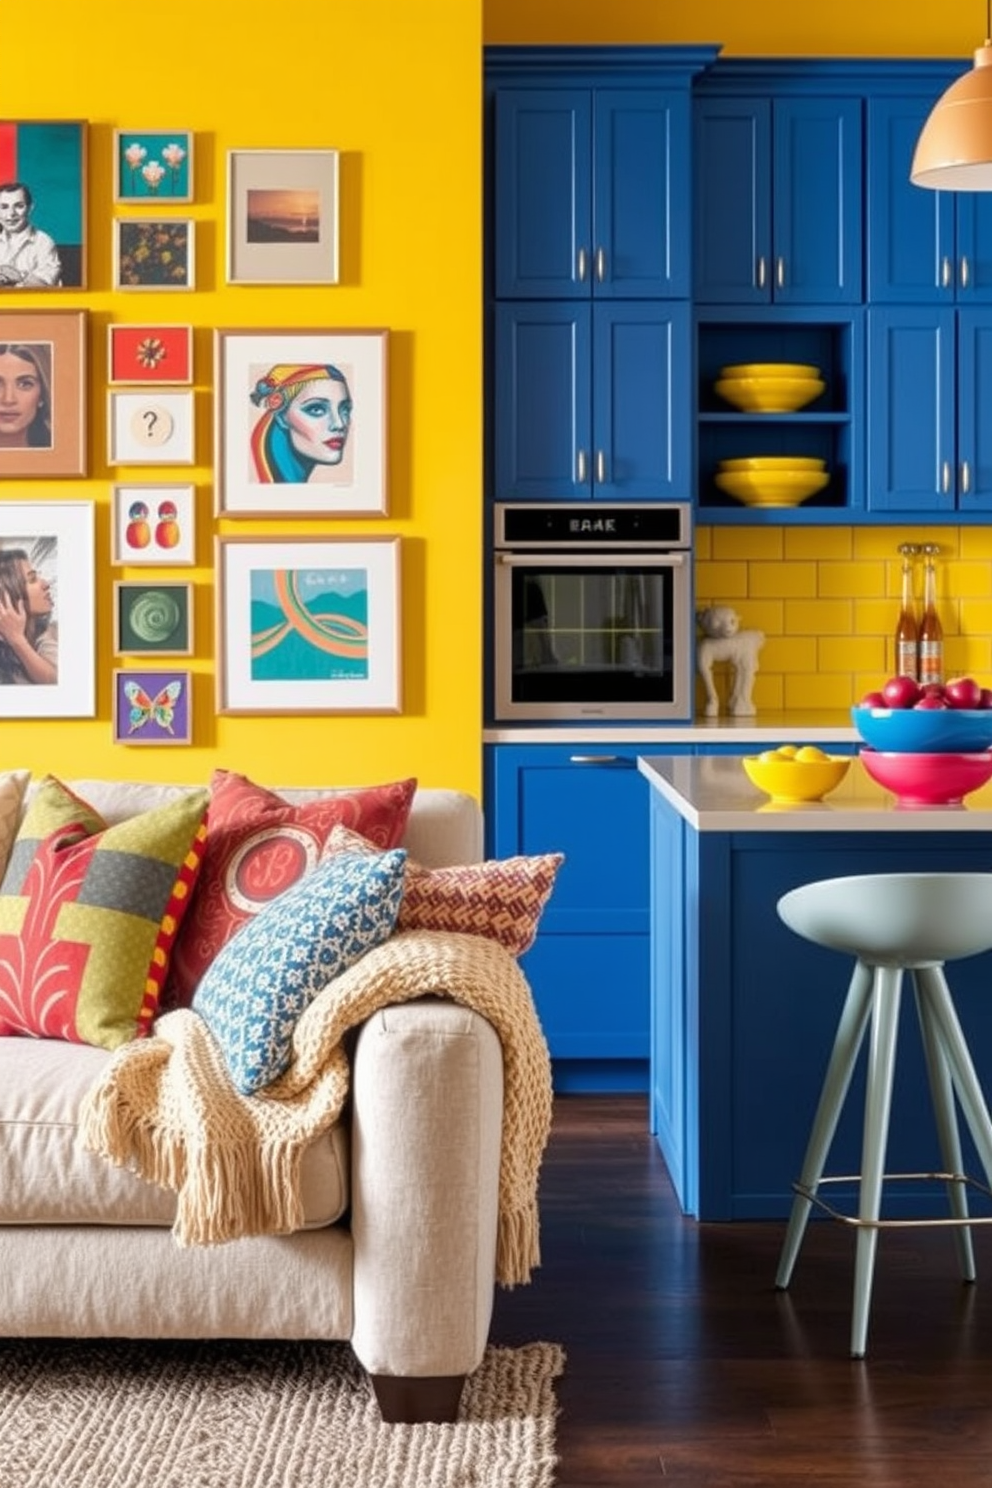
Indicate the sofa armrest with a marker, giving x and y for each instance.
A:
(426, 1132)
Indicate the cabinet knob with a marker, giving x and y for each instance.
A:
(964, 273)
(582, 265)
(601, 467)
(600, 265)
(780, 272)
(581, 467)
(762, 272)
(965, 477)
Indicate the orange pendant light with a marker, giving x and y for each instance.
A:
(954, 150)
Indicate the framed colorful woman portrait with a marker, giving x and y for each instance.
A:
(282, 217)
(152, 707)
(154, 253)
(42, 393)
(153, 524)
(301, 423)
(46, 609)
(308, 625)
(143, 353)
(42, 204)
(153, 619)
(153, 165)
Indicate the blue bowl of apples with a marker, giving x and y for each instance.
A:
(906, 717)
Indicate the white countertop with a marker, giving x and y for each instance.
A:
(713, 794)
(832, 727)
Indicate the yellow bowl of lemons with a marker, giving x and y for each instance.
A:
(794, 773)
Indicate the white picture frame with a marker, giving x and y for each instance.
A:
(153, 524)
(150, 427)
(282, 217)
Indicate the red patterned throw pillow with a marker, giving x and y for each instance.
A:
(89, 915)
(259, 845)
(500, 898)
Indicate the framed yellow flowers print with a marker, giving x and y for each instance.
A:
(154, 253)
(153, 165)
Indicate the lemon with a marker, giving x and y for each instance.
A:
(810, 752)
(787, 751)
(771, 756)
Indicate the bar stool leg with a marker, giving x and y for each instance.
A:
(878, 1104)
(969, 1091)
(942, 1094)
(847, 1043)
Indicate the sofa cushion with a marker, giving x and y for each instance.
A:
(258, 845)
(255, 989)
(89, 914)
(47, 1180)
(13, 784)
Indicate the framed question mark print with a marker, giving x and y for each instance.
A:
(150, 428)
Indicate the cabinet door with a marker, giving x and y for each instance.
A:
(974, 247)
(732, 201)
(641, 217)
(641, 401)
(912, 442)
(910, 230)
(543, 184)
(542, 402)
(816, 195)
(974, 472)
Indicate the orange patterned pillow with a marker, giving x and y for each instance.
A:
(501, 898)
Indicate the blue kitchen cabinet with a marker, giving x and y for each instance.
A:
(924, 247)
(590, 185)
(929, 439)
(777, 200)
(591, 401)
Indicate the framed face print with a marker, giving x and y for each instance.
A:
(42, 204)
(42, 393)
(302, 418)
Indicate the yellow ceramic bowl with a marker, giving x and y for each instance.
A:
(770, 369)
(770, 394)
(796, 780)
(774, 462)
(771, 488)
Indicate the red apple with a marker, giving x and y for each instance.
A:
(901, 692)
(986, 698)
(932, 689)
(873, 700)
(931, 702)
(963, 692)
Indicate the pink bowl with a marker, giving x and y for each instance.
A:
(928, 779)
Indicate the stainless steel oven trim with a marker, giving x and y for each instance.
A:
(590, 560)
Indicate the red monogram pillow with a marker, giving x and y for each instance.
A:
(259, 845)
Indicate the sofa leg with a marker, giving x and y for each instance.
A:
(410, 1400)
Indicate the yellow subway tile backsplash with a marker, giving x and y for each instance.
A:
(976, 617)
(788, 654)
(970, 580)
(851, 654)
(819, 617)
(782, 580)
(719, 583)
(815, 692)
(976, 542)
(818, 542)
(747, 542)
(850, 580)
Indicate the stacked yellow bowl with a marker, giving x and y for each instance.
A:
(770, 387)
(772, 480)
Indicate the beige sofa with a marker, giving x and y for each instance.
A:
(398, 1253)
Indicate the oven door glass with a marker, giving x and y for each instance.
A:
(593, 630)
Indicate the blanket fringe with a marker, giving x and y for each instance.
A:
(518, 1248)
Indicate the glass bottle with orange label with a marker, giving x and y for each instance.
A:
(931, 643)
(907, 629)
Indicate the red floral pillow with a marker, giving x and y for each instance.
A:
(258, 845)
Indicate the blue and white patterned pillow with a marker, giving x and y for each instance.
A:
(257, 986)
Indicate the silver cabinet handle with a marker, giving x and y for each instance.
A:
(581, 470)
(603, 759)
(601, 467)
(600, 265)
(945, 273)
(582, 265)
(762, 272)
(965, 273)
(945, 476)
(780, 272)
(965, 477)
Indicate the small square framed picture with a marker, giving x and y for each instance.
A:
(153, 165)
(153, 524)
(153, 619)
(150, 428)
(152, 707)
(154, 253)
(142, 353)
(282, 217)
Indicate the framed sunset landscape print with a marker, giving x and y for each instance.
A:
(282, 217)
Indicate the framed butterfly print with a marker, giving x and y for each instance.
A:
(152, 707)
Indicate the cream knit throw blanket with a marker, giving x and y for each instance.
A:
(166, 1108)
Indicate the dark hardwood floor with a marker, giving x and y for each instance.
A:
(686, 1366)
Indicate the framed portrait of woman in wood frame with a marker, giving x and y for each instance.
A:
(42, 393)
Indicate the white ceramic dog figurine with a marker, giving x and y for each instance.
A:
(723, 640)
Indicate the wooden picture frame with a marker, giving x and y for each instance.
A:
(150, 428)
(153, 165)
(308, 625)
(149, 354)
(282, 217)
(153, 618)
(43, 414)
(153, 524)
(56, 539)
(152, 706)
(302, 419)
(155, 253)
(46, 160)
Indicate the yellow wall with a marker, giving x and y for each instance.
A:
(396, 89)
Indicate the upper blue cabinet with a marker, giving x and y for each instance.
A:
(923, 246)
(778, 198)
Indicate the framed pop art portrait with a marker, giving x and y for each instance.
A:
(282, 217)
(150, 428)
(152, 707)
(154, 253)
(153, 524)
(42, 204)
(42, 393)
(308, 625)
(301, 423)
(47, 563)
(153, 619)
(153, 165)
(149, 354)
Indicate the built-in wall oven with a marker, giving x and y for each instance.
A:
(592, 612)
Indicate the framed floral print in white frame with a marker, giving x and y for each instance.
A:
(308, 625)
(153, 165)
(49, 544)
(153, 524)
(282, 217)
(301, 422)
(150, 428)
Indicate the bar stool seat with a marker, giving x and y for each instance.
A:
(891, 923)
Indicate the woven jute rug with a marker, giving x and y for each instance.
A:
(233, 1415)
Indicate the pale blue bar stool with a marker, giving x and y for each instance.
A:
(891, 923)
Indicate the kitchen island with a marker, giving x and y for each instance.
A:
(743, 1011)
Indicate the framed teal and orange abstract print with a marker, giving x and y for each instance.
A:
(153, 165)
(42, 204)
(308, 625)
